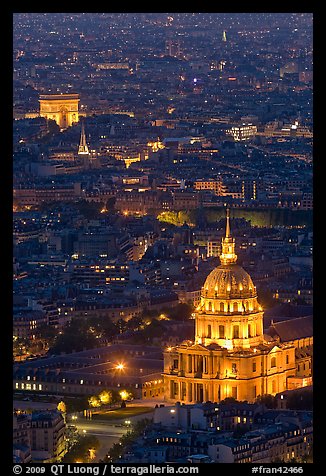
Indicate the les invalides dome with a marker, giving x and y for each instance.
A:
(229, 313)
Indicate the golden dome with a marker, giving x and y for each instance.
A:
(229, 281)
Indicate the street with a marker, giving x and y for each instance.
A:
(108, 433)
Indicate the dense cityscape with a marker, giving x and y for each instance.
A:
(162, 238)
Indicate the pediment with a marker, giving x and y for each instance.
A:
(200, 347)
(275, 349)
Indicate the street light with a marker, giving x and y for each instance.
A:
(120, 366)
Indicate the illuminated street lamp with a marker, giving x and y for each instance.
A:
(120, 366)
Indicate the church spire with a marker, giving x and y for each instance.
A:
(227, 231)
(83, 147)
(228, 255)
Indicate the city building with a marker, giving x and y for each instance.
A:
(47, 436)
(38, 437)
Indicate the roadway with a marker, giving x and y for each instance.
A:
(109, 432)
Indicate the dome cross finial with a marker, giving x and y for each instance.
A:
(227, 231)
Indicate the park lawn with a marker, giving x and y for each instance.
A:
(121, 413)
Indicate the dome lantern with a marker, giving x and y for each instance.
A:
(228, 255)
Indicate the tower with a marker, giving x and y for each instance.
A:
(230, 355)
(83, 147)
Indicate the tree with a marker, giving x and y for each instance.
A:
(103, 326)
(154, 329)
(229, 400)
(121, 325)
(265, 298)
(105, 397)
(268, 400)
(76, 404)
(181, 312)
(136, 322)
(94, 401)
(80, 451)
(89, 209)
(62, 407)
(76, 336)
(110, 204)
(47, 334)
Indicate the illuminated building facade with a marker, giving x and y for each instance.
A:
(231, 355)
(243, 132)
(62, 108)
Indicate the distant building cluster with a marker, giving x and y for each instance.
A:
(246, 433)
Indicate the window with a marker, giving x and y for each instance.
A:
(234, 368)
(235, 332)
(209, 331)
(249, 331)
(273, 362)
(222, 306)
(221, 331)
(235, 392)
(254, 366)
(287, 358)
